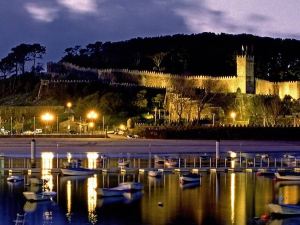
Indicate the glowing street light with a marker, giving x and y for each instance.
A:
(92, 116)
(69, 105)
(233, 116)
(47, 118)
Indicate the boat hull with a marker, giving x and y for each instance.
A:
(109, 192)
(284, 210)
(287, 177)
(32, 196)
(77, 172)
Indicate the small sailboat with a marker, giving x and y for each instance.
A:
(171, 163)
(155, 173)
(190, 177)
(74, 169)
(287, 176)
(123, 163)
(120, 189)
(15, 179)
(43, 196)
(159, 160)
(284, 209)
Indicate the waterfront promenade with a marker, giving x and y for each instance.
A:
(124, 145)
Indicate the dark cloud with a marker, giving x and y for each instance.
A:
(258, 18)
(114, 20)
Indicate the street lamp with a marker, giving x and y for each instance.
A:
(47, 118)
(92, 116)
(233, 116)
(69, 105)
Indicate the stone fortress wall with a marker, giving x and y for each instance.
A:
(244, 80)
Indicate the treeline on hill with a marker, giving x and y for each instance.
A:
(206, 53)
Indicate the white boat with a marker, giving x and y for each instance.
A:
(284, 209)
(43, 196)
(15, 179)
(154, 173)
(123, 163)
(131, 186)
(191, 177)
(287, 176)
(77, 171)
(159, 160)
(171, 163)
(110, 192)
(120, 189)
(74, 169)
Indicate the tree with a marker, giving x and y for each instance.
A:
(210, 88)
(6, 66)
(158, 59)
(141, 101)
(36, 51)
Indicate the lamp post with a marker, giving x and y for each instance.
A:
(92, 116)
(47, 118)
(69, 106)
(233, 116)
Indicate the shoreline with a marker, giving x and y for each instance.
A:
(124, 145)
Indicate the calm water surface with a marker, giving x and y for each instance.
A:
(221, 199)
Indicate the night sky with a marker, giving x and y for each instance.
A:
(59, 24)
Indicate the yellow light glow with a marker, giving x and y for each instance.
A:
(122, 127)
(69, 104)
(92, 159)
(69, 157)
(47, 158)
(69, 199)
(46, 175)
(233, 115)
(91, 124)
(92, 198)
(232, 196)
(92, 115)
(47, 117)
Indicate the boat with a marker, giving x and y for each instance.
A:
(110, 192)
(287, 176)
(189, 185)
(265, 173)
(15, 179)
(74, 169)
(123, 163)
(190, 177)
(159, 160)
(120, 189)
(43, 196)
(171, 163)
(284, 209)
(154, 173)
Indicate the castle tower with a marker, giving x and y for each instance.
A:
(245, 72)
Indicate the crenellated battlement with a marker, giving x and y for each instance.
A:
(244, 78)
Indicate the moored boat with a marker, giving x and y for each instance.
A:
(284, 209)
(77, 171)
(159, 160)
(74, 169)
(287, 176)
(154, 173)
(191, 177)
(43, 196)
(15, 179)
(120, 189)
(123, 163)
(171, 163)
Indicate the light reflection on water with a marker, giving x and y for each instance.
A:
(221, 199)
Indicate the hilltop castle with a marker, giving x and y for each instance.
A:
(244, 79)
